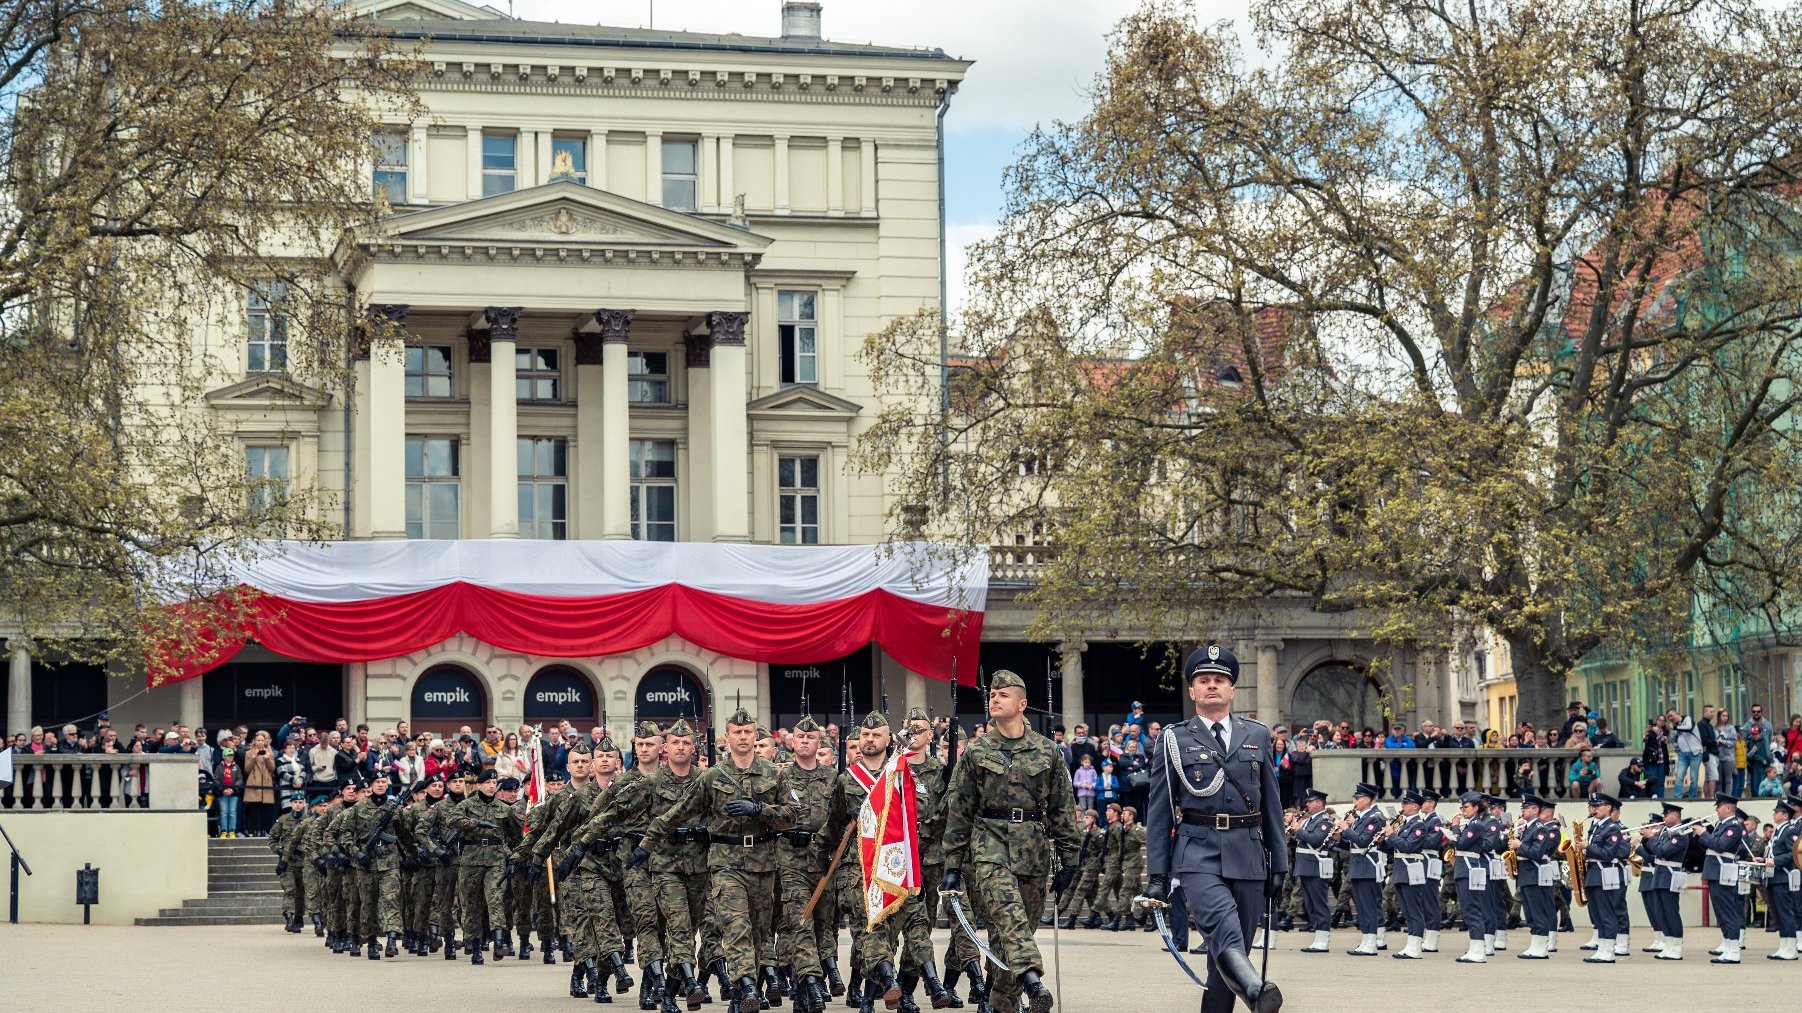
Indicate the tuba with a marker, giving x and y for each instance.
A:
(1573, 857)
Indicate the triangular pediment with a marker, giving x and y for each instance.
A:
(566, 213)
(800, 400)
(432, 10)
(261, 389)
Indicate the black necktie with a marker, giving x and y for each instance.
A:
(1219, 739)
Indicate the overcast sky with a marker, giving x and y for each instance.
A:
(1034, 63)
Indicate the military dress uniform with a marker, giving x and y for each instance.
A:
(1314, 871)
(1411, 844)
(1215, 822)
(1662, 880)
(1785, 888)
(1726, 845)
(1367, 868)
(1010, 806)
(1433, 827)
(1537, 851)
(1501, 897)
(1474, 842)
(1605, 881)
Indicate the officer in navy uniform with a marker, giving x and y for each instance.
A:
(1410, 844)
(1726, 844)
(1213, 781)
(1785, 887)
(1605, 881)
(1366, 866)
(1431, 825)
(1314, 868)
(1537, 850)
(1472, 843)
(1662, 880)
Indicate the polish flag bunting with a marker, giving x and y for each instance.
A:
(888, 839)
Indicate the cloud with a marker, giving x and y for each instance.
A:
(958, 236)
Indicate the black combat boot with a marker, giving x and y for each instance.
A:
(318, 927)
(692, 991)
(810, 994)
(1037, 996)
(450, 946)
(578, 981)
(289, 921)
(1114, 923)
(909, 982)
(375, 948)
(866, 997)
(718, 970)
(979, 989)
(622, 982)
(888, 988)
(1093, 921)
(772, 986)
(745, 995)
(942, 997)
(500, 946)
(507, 941)
(630, 958)
(569, 949)
(475, 955)
(1242, 980)
(525, 944)
(854, 991)
(836, 984)
(1069, 922)
(592, 970)
(785, 977)
(656, 979)
(355, 946)
(393, 949)
(669, 1002)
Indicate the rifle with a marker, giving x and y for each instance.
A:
(389, 808)
(951, 733)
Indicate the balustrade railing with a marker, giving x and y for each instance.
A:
(1546, 772)
(148, 782)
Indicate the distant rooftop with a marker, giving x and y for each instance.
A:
(611, 37)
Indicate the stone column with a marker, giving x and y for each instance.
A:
(653, 169)
(189, 709)
(597, 159)
(18, 686)
(590, 479)
(382, 415)
(616, 425)
(835, 176)
(782, 203)
(707, 178)
(1069, 655)
(700, 434)
(503, 422)
(868, 165)
(729, 446)
(356, 693)
(1270, 682)
(1427, 700)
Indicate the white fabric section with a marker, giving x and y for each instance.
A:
(936, 574)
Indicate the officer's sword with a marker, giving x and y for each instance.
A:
(1157, 914)
(955, 899)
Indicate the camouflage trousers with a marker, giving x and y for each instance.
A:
(417, 889)
(1012, 906)
(745, 904)
(1108, 891)
(378, 892)
(1126, 888)
(444, 900)
(1083, 898)
(908, 927)
(641, 897)
(849, 889)
(315, 889)
(804, 941)
(294, 889)
(682, 908)
(344, 901)
(480, 894)
(590, 914)
(917, 947)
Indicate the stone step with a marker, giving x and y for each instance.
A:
(228, 906)
(241, 866)
(166, 920)
(241, 891)
(216, 882)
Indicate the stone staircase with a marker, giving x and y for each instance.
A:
(241, 888)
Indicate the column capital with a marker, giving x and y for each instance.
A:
(1267, 645)
(380, 320)
(493, 323)
(727, 327)
(616, 325)
(700, 350)
(1072, 646)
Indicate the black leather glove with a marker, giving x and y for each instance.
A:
(281, 867)
(638, 857)
(1273, 887)
(407, 864)
(799, 838)
(1065, 876)
(363, 859)
(319, 865)
(442, 856)
(1158, 888)
(571, 858)
(511, 868)
(741, 808)
(951, 882)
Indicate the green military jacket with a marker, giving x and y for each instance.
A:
(360, 821)
(483, 846)
(625, 809)
(284, 836)
(996, 776)
(1110, 851)
(743, 845)
(328, 830)
(1132, 852)
(560, 816)
(428, 825)
(310, 842)
(687, 857)
(929, 790)
(810, 793)
(1093, 853)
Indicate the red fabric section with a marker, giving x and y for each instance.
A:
(922, 637)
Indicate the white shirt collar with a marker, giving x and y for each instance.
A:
(1226, 727)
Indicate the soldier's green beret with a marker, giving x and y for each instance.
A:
(508, 784)
(1003, 679)
(918, 714)
(874, 719)
(648, 730)
(418, 788)
(680, 728)
(807, 724)
(486, 775)
(741, 718)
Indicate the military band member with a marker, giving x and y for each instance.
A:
(1411, 843)
(1537, 850)
(1213, 782)
(1500, 897)
(1662, 881)
(1605, 854)
(284, 843)
(1726, 844)
(1785, 887)
(1314, 868)
(1009, 825)
(1431, 827)
(1366, 865)
(1473, 842)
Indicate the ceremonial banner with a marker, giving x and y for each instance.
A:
(888, 839)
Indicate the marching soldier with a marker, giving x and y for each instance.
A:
(1132, 868)
(1726, 843)
(1411, 842)
(482, 823)
(284, 842)
(1107, 865)
(679, 873)
(1113, 849)
(1088, 879)
(1605, 853)
(871, 952)
(340, 899)
(368, 834)
(1314, 868)
(1213, 783)
(1367, 867)
(1473, 842)
(917, 913)
(738, 800)
(308, 854)
(809, 944)
(1785, 887)
(1537, 852)
(415, 872)
(594, 927)
(1662, 880)
(446, 912)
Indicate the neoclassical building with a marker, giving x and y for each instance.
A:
(632, 270)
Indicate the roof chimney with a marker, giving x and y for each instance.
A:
(800, 20)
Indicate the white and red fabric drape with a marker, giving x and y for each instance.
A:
(888, 838)
(338, 602)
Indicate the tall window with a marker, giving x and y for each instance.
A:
(798, 500)
(647, 377)
(543, 487)
(500, 163)
(535, 374)
(569, 158)
(429, 371)
(432, 487)
(798, 330)
(680, 182)
(653, 473)
(391, 165)
(266, 327)
(267, 467)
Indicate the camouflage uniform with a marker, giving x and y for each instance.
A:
(1010, 804)
(806, 943)
(626, 809)
(341, 900)
(1110, 870)
(484, 825)
(310, 848)
(376, 878)
(919, 912)
(284, 842)
(679, 874)
(1130, 869)
(870, 951)
(1085, 898)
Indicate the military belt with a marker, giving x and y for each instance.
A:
(634, 837)
(482, 844)
(742, 840)
(1730, 855)
(1662, 864)
(1014, 815)
(1222, 821)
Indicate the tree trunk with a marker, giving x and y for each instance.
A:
(1540, 686)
